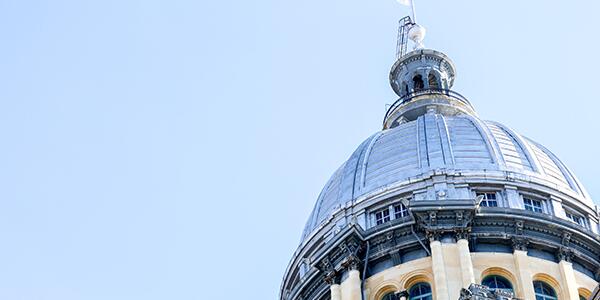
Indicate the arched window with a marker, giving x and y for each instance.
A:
(404, 88)
(389, 296)
(543, 291)
(433, 81)
(420, 291)
(418, 83)
(496, 282)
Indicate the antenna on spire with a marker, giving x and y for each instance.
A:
(409, 29)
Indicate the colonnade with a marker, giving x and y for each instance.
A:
(452, 269)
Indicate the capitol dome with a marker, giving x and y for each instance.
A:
(441, 204)
(461, 145)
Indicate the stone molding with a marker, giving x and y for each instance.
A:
(510, 227)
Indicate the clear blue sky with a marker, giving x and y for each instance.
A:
(174, 149)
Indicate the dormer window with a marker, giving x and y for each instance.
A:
(388, 213)
(489, 199)
(382, 216)
(575, 217)
(400, 211)
(533, 205)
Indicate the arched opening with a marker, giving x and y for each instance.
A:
(433, 81)
(544, 291)
(584, 293)
(386, 291)
(420, 291)
(418, 82)
(497, 282)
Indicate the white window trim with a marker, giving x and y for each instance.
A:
(389, 207)
(499, 198)
(546, 206)
(573, 212)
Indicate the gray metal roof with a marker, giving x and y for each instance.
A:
(431, 142)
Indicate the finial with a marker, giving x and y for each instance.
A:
(417, 34)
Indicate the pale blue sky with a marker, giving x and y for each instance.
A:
(174, 149)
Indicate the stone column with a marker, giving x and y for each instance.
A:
(466, 264)
(524, 276)
(336, 291)
(439, 271)
(351, 286)
(567, 274)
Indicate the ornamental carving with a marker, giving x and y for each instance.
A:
(519, 243)
(482, 292)
(565, 253)
(329, 273)
(351, 249)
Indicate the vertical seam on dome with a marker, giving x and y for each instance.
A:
(420, 165)
(356, 169)
(426, 141)
(569, 176)
(365, 162)
(494, 152)
(447, 135)
(536, 166)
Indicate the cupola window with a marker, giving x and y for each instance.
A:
(433, 81)
(418, 82)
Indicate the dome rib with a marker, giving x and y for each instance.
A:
(513, 149)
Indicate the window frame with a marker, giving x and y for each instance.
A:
(544, 203)
(403, 210)
(570, 213)
(546, 286)
(385, 216)
(495, 276)
(424, 296)
(486, 200)
(390, 209)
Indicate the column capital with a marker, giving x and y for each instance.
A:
(519, 243)
(565, 254)
(462, 234)
(330, 275)
(351, 249)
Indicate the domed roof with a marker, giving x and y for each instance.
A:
(459, 143)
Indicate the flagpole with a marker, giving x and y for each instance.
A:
(414, 15)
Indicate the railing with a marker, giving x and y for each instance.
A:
(406, 98)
